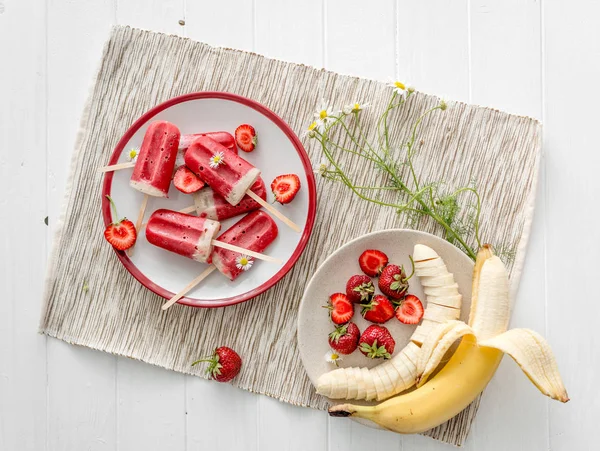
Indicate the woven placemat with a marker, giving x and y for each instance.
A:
(140, 69)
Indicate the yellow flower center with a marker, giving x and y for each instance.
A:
(132, 153)
(312, 126)
(356, 106)
(243, 261)
(323, 114)
(334, 356)
(400, 85)
(217, 158)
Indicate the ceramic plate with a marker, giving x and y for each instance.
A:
(279, 151)
(313, 321)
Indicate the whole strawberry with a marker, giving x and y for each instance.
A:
(379, 310)
(340, 308)
(344, 339)
(224, 364)
(393, 281)
(376, 342)
(359, 288)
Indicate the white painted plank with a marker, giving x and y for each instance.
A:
(155, 15)
(571, 98)
(23, 203)
(81, 382)
(505, 55)
(151, 401)
(513, 413)
(81, 399)
(433, 47)
(221, 417)
(290, 30)
(359, 38)
(150, 407)
(285, 427)
(225, 23)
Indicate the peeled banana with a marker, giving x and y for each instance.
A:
(467, 373)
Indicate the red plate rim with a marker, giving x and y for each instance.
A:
(312, 200)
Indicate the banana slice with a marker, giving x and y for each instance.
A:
(432, 271)
(388, 385)
(412, 351)
(421, 253)
(454, 301)
(429, 263)
(352, 385)
(439, 281)
(361, 389)
(440, 314)
(450, 290)
(423, 330)
(371, 384)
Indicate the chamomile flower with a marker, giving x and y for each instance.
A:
(243, 262)
(133, 154)
(310, 131)
(443, 103)
(216, 160)
(354, 107)
(333, 357)
(401, 88)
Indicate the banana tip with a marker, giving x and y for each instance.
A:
(342, 410)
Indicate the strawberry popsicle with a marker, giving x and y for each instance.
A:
(154, 167)
(224, 138)
(210, 205)
(227, 174)
(183, 234)
(255, 232)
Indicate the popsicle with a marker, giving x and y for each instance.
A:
(154, 166)
(227, 174)
(209, 204)
(224, 138)
(191, 236)
(254, 232)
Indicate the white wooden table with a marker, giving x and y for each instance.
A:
(537, 58)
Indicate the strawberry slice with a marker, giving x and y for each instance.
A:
(372, 262)
(341, 309)
(245, 137)
(285, 187)
(186, 181)
(379, 310)
(121, 234)
(410, 310)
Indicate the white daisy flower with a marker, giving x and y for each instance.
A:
(133, 154)
(333, 357)
(354, 107)
(310, 131)
(324, 112)
(400, 88)
(243, 262)
(216, 160)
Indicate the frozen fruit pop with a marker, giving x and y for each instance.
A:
(155, 163)
(210, 205)
(183, 234)
(255, 232)
(225, 172)
(224, 138)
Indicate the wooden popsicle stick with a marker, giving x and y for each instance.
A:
(117, 167)
(138, 222)
(189, 286)
(247, 252)
(292, 225)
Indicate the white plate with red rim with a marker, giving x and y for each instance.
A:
(279, 151)
(314, 324)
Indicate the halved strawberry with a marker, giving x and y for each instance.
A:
(410, 310)
(340, 308)
(285, 187)
(372, 262)
(121, 234)
(379, 310)
(186, 181)
(245, 137)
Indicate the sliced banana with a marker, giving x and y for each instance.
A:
(450, 290)
(352, 385)
(437, 281)
(446, 301)
(440, 314)
(432, 271)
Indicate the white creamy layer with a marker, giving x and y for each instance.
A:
(238, 190)
(204, 244)
(147, 188)
(204, 201)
